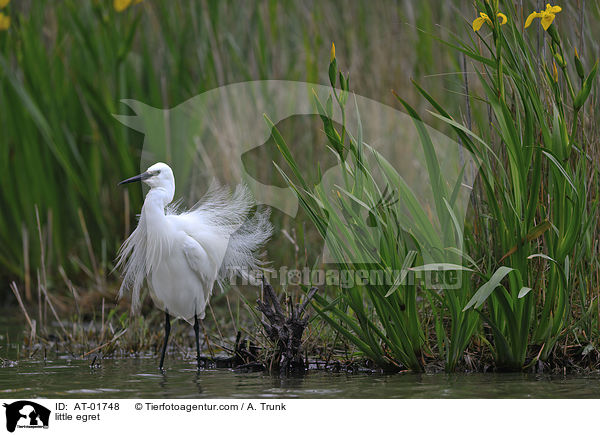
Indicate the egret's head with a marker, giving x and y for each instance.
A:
(159, 175)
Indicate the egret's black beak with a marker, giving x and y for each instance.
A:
(140, 177)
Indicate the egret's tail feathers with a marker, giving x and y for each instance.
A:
(220, 208)
(229, 213)
(242, 252)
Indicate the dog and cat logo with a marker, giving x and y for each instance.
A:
(26, 414)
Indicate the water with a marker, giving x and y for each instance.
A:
(130, 378)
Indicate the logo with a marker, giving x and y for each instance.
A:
(26, 414)
(215, 135)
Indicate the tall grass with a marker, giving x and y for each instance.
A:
(535, 209)
(64, 67)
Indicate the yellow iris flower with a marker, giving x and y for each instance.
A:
(121, 5)
(546, 16)
(483, 18)
(4, 21)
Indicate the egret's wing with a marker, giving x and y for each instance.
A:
(197, 258)
(199, 261)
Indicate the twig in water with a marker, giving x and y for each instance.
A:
(55, 314)
(15, 290)
(210, 349)
(105, 344)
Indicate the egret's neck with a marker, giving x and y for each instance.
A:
(155, 203)
(154, 226)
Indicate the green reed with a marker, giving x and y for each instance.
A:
(534, 174)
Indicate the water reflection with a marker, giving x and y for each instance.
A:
(198, 381)
(291, 382)
(140, 378)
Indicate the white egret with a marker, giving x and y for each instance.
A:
(182, 254)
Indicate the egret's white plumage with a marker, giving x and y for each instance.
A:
(181, 254)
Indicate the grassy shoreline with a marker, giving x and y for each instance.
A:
(94, 336)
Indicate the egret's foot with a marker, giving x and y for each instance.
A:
(197, 333)
(164, 349)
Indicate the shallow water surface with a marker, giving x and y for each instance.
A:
(67, 377)
(129, 378)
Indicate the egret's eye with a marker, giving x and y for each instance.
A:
(157, 172)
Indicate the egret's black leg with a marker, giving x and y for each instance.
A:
(197, 332)
(167, 332)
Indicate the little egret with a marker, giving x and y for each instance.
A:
(182, 254)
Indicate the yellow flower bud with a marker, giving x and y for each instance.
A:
(332, 54)
(121, 5)
(4, 21)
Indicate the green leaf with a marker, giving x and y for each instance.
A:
(586, 87)
(544, 256)
(329, 107)
(533, 234)
(523, 291)
(464, 255)
(578, 66)
(439, 267)
(486, 289)
(285, 151)
(457, 227)
(562, 170)
(408, 260)
(332, 72)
